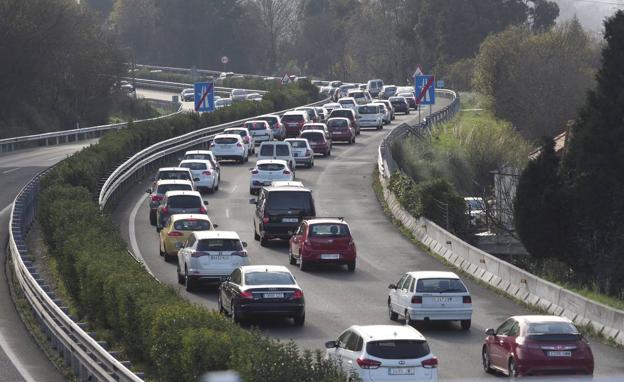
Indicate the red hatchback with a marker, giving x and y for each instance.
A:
(537, 345)
(323, 240)
(320, 143)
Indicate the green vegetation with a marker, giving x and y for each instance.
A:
(125, 108)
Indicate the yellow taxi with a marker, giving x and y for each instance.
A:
(178, 229)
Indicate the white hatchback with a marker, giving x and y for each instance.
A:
(248, 139)
(385, 353)
(277, 150)
(260, 130)
(210, 257)
(266, 171)
(429, 296)
(204, 174)
(348, 103)
(229, 146)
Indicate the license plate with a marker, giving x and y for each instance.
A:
(442, 299)
(290, 220)
(330, 256)
(219, 257)
(559, 353)
(296, 154)
(273, 295)
(401, 371)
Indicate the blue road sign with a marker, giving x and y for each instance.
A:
(204, 96)
(440, 84)
(424, 90)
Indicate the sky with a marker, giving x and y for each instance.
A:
(591, 13)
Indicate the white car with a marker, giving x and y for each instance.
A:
(223, 102)
(275, 121)
(266, 171)
(253, 97)
(277, 150)
(331, 106)
(238, 95)
(370, 116)
(389, 107)
(362, 97)
(260, 131)
(210, 257)
(187, 95)
(430, 296)
(302, 151)
(348, 103)
(386, 115)
(204, 174)
(206, 155)
(248, 139)
(229, 146)
(316, 126)
(384, 353)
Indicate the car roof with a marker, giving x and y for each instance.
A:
(326, 221)
(229, 135)
(182, 192)
(235, 129)
(272, 143)
(215, 235)
(433, 275)
(264, 268)
(174, 181)
(294, 139)
(397, 97)
(286, 188)
(286, 183)
(199, 152)
(177, 217)
(172, 169)
(269, 115)
(196, 160)
(530, 319)
(388, 332)
(270, 161)
(258, 121)
(296, 112)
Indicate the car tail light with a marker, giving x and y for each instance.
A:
(308, 152)
(366, 363)
(416, 299)
(175, 233)
(300, 124)
(265, 219)
(156, 198)
(467, 300)
(246, 139)
(246, 295)
(239, 145)
(286, 172)
(297, 295)
(255, 171)
(430, 363)
(240, 253)
(196, 254)
(207, 172)
(202, 210)
(165, 210)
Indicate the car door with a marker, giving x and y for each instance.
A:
(496, 344)
(340, 349)
(297, 238)
(394, 295)
(351, 352)
(230, 289)
(404, 297)
(259, 211)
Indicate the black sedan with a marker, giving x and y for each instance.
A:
(411, 99)
(262, 291)
(400, 104)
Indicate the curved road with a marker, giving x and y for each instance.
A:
(336, 299)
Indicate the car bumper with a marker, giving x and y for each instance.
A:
(320, 149)
(453, 314)
(170, 247)
(230, 156)
(570, 365)
(262, 138)
(205, 182)
(279, 230)
(303, 160)
(258, 309)
(370, 123)
(341, 137)
(320, 255)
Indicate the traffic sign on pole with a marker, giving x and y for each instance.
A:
(204, 96)
(285, 79)
(225, 60)
(417, 72)
(424, 90)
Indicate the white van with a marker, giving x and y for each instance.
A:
(374, 87)
(277, 150)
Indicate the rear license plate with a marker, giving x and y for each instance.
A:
(296, 154)
(219, 257)
(559, 353)
(442, 299)
(401, 371)
(273, 295)
(289, 220)
(330, 256)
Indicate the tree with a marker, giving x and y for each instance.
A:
(543, 14)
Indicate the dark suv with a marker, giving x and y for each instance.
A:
(280, 210)
(347, 113)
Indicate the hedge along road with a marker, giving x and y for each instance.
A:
(335, 298)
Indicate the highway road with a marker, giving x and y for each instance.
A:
(336, 299)
(21, 359)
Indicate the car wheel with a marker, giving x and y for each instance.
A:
(329, 153)
(392, 314)
(465, 324)
(188, 280)
(407, 112)
(256, 236)
(158, 229)
(169, 258)
(303, 265)
(408, 318)
(299, 320)
(181, 278)
(152, 219)
(351, 266)
(511, 369)
(234, 315)
(160, 251)
(251, 191)
(291, 258)
(485, 358)
(220, 304)
(263, 241)
(217, 185)
(354, 140)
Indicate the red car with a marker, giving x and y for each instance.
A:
(341, 129)
(320, 143)
(323, 240)
(537, 345)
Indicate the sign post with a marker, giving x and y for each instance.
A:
(285, 79)
(204, 97)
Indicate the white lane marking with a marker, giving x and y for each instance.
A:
(227, 213)
(132, 231)
(11, 170)
(234, 188)
(5, 209)
(55, 158)
(14, 358)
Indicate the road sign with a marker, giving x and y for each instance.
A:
(417, 72)
(204, 96)
(424, 90)
(440, 84)
(285, 79)
(225, 60)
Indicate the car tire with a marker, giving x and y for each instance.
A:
(353, 140)
(511, 369)
(220, 304)
(329, 153)
(408, 319)
(152, 219)
(407, 112)
(188, 281)
(291, 258)
(263, 241)
(303, 265)
(181, 278)
(256, 236)
(233, 315)
(465, 324)
(392, 314)
(251, 191)
(485, 359)
(299, 320)
(169, 258)
(160, 251)
(351, 266)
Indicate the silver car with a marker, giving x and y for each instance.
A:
(302, 151)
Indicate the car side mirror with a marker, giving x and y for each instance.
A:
(215, 226)
(253, 201)
(490, 332)
(149, 190)
(392, 286)
(244, 244)
(331, 344)
(196, 179)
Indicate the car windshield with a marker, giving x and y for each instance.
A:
(440, 285)
(255, 126)
(398, 349)
(292, 118)
(313, 136)
(329, 230)
(282, 150)
(194, 165)
(226, 141)
(184, 201)
(191, 225)
(174, 175)
(163, 188)
(368, 110)
(219, 245)
(290, 200)
(298, 144)
(269, 278)
(270, 167)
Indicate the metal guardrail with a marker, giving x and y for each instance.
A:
(179, 86)
(199, 71)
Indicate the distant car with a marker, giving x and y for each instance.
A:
(374, 87)
(188, 95)
(262, 291)
(316, 126)
(347, 113)
(253, 97)
(266, 171)
(388, 105)
(410, 98)
(344, 88)
(157, 193)
(341, 129)
(260, 131)
(179, 202)
(294, 121)
(362, 97)
(275, 122)
(331, 106)
(205, 176)
(282, 183)
(322, 113)
(210, 257)
(537, 345)
(386, 115)
(348, 103)
(475, 207)
(384, 353)
(248, 139)
(322, 240)
(229, 146)
(206, 155)
(320, 142)
(173, 173)
(224, 75)
(302, 151)
(312, 114)
(178, 229)
(399, 104)
(370, 116)
(387, 91)
(430, 296)
(238, 95)
(335, 84)
(223, 102)
(277, 150)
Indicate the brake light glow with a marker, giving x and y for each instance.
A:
(157, 198)
(430, 363)
(165, 210)
(416, 299)
(246, 295)
(467, 300)
(366, 363)
(196, 254)
(239, 145)
(212, 144)
(207, 172)
(175, 233)
(286, 172)
(265, 219)
(202, 210)
(308, 152)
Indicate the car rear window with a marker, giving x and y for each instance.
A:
(197, 156)
(255, 126)
(194, 165)
(300, 201)
(346, 102)
(551, 328)
(298, 144)
(292, 118)
(341, 113)
(270, 120)
(398, 349)
(368, 110)
(282, 150)
(337, 123)
(184, 201)
(163, 188)
(440, 285)
(191, 225)
(220, 245)
(242, 133)
(329, 230)
(269, 278)
(226, 141)
(313, 136)
(266, 150)
(271, 166)
(174, 175)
